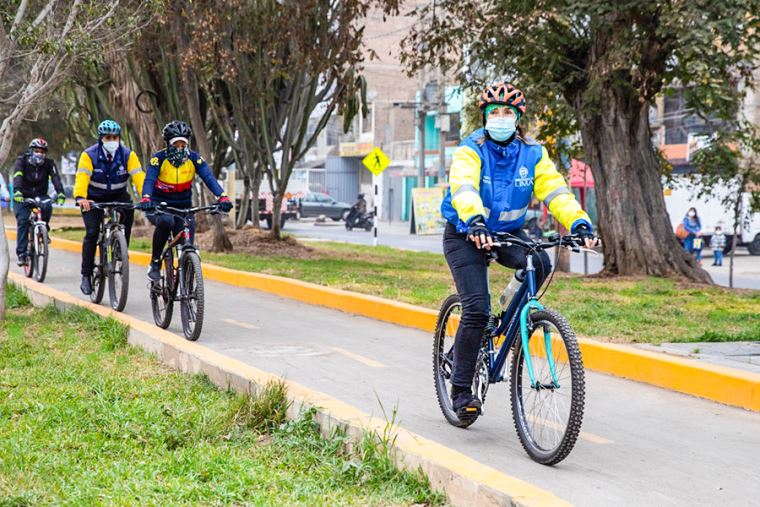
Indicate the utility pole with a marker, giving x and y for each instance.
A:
(421, 118)
(443, 128)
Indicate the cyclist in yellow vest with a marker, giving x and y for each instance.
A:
(494, 173)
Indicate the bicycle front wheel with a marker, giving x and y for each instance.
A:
(98, 277)
(40, 253)
(192, 296)
(118, 273)
(548, 413)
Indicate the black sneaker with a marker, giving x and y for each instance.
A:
(465, 404)
(21, 260)
(86, 286)
(154, 273)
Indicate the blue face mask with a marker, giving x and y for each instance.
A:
(501, 128)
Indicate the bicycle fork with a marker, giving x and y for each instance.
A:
(525, 330)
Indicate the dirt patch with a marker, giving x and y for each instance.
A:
(253, 241)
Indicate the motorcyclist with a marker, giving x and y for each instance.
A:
(358, 209)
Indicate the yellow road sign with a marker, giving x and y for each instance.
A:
(376, 161)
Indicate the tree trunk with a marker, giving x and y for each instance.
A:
(637, 238)
(277, 213)
(737, 226)
(255, 190)
(220, 242)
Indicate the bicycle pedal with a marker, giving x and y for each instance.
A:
(467, 414)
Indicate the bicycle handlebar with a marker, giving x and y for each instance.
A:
(102, 205)
(571, 240)
(161, 208)
(36, 200)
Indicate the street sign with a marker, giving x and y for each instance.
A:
(376, 161)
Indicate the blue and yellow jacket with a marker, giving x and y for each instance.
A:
(497, 182)
(97, 179)
(174, 185)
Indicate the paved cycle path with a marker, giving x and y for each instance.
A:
(640, 445)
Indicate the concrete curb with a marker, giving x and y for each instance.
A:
(465, 481)
(724, 385)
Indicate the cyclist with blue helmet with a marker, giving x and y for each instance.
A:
(102, 176)
(494, 173)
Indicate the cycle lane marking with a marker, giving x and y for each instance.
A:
(244, 325)
(358, 357)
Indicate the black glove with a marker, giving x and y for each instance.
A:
(225, 204)
(584, 231)
(478, 229)
(146, 204)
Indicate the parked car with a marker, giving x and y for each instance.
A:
(315, 204)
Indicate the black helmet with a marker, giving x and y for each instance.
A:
(360, 196)
(176, 129)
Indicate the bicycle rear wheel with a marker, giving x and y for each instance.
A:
(161, 300)
(443, 359)
(118, 272)
(40, 253)
(30, 254)
(98, 277)
(548, 414)
(192, 300)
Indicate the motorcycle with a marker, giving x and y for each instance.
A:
(365, 220)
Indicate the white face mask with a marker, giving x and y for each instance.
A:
(692, 214)
(111, 146)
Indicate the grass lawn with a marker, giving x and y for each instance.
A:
(87, 420)
(652, 310)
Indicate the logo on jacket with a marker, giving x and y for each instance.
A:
(523, 180)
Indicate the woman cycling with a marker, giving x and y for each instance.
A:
(493, 174)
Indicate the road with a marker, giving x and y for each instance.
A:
(746, 276)
(641, 445)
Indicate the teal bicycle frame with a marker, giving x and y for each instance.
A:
(517, 316)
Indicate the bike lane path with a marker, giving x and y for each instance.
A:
(640, 444)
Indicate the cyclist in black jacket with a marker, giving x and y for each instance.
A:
(30, 179)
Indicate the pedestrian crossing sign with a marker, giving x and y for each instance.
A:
(376, 161)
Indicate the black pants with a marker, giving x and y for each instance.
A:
(22, 211)
(166, 224)
(92, 220)
(469, 267)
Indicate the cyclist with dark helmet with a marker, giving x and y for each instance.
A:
(103, 176)
(31, 177)
(494, 173)
(170, 179)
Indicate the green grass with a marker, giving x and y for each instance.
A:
(651, 310)
(87, 420)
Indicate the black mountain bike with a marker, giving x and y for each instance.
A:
(111, 257)
(181, 281)
(37, 243)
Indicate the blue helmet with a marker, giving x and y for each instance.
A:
(109, 127)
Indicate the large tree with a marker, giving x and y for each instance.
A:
(40, 43)
(601, 65)
(293, 64)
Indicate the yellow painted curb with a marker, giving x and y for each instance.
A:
(465, 481)
(725, 385)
